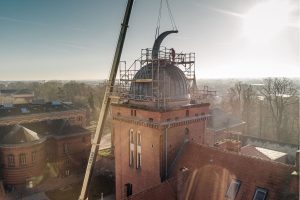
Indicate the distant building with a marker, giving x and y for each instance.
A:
(222, 125)
(40, 140)
(10, 97)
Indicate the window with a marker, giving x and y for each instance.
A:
(139, 151)
(66, 148)
(22, 159)
(133, 112)
(260, 194)
(131, 147)
(67, 162)
(187, 113)
(139, 139)
(128, 187)
(33, 156)
(233, 189)
(11, 160)
(139, 160)
(131, 137)
(131, 156)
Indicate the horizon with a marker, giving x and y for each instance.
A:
(221, 78)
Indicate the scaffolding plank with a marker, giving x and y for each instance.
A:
(146, 80)
(185, 62)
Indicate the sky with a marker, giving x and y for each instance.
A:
(64, 39)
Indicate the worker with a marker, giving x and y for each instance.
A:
(173, 54)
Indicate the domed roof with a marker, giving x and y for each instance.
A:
(20, 134)
(160, 79)
(168, 82)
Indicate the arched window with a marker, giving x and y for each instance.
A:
(131, 136)
(22, 159)
(11, 160)
(139, 150)
(187, 113)
(131, 147)
(33, 156)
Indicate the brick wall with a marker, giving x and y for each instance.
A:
(72, 152)
(18, 174)
(156, 140)
(149, 173)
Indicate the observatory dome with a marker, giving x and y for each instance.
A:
(165, 80)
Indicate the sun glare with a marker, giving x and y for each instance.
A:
(265, 20)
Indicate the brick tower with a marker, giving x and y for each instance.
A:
(155, 118)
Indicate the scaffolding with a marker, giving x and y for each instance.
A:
(203, 94)
(127, 75)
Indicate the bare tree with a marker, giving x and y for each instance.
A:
(235, 101)
(241, 98)
(248, 100)
(279, 94)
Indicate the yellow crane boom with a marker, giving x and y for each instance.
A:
(106, 102)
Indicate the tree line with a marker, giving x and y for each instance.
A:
(270, 109)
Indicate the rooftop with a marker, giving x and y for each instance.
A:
(34, 108)
(262, 152)
(19, 134)
(213, 174)
(216, 169)
(143, 107)
(31, 132)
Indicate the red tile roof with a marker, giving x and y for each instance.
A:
(211, 171)
(251, 151)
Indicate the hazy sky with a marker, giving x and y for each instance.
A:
(75, 39)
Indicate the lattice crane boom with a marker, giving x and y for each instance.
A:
(106, 102)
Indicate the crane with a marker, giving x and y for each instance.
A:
(106, 102)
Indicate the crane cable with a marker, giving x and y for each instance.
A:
(158, 20)
(171, 16)
(172, 20)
